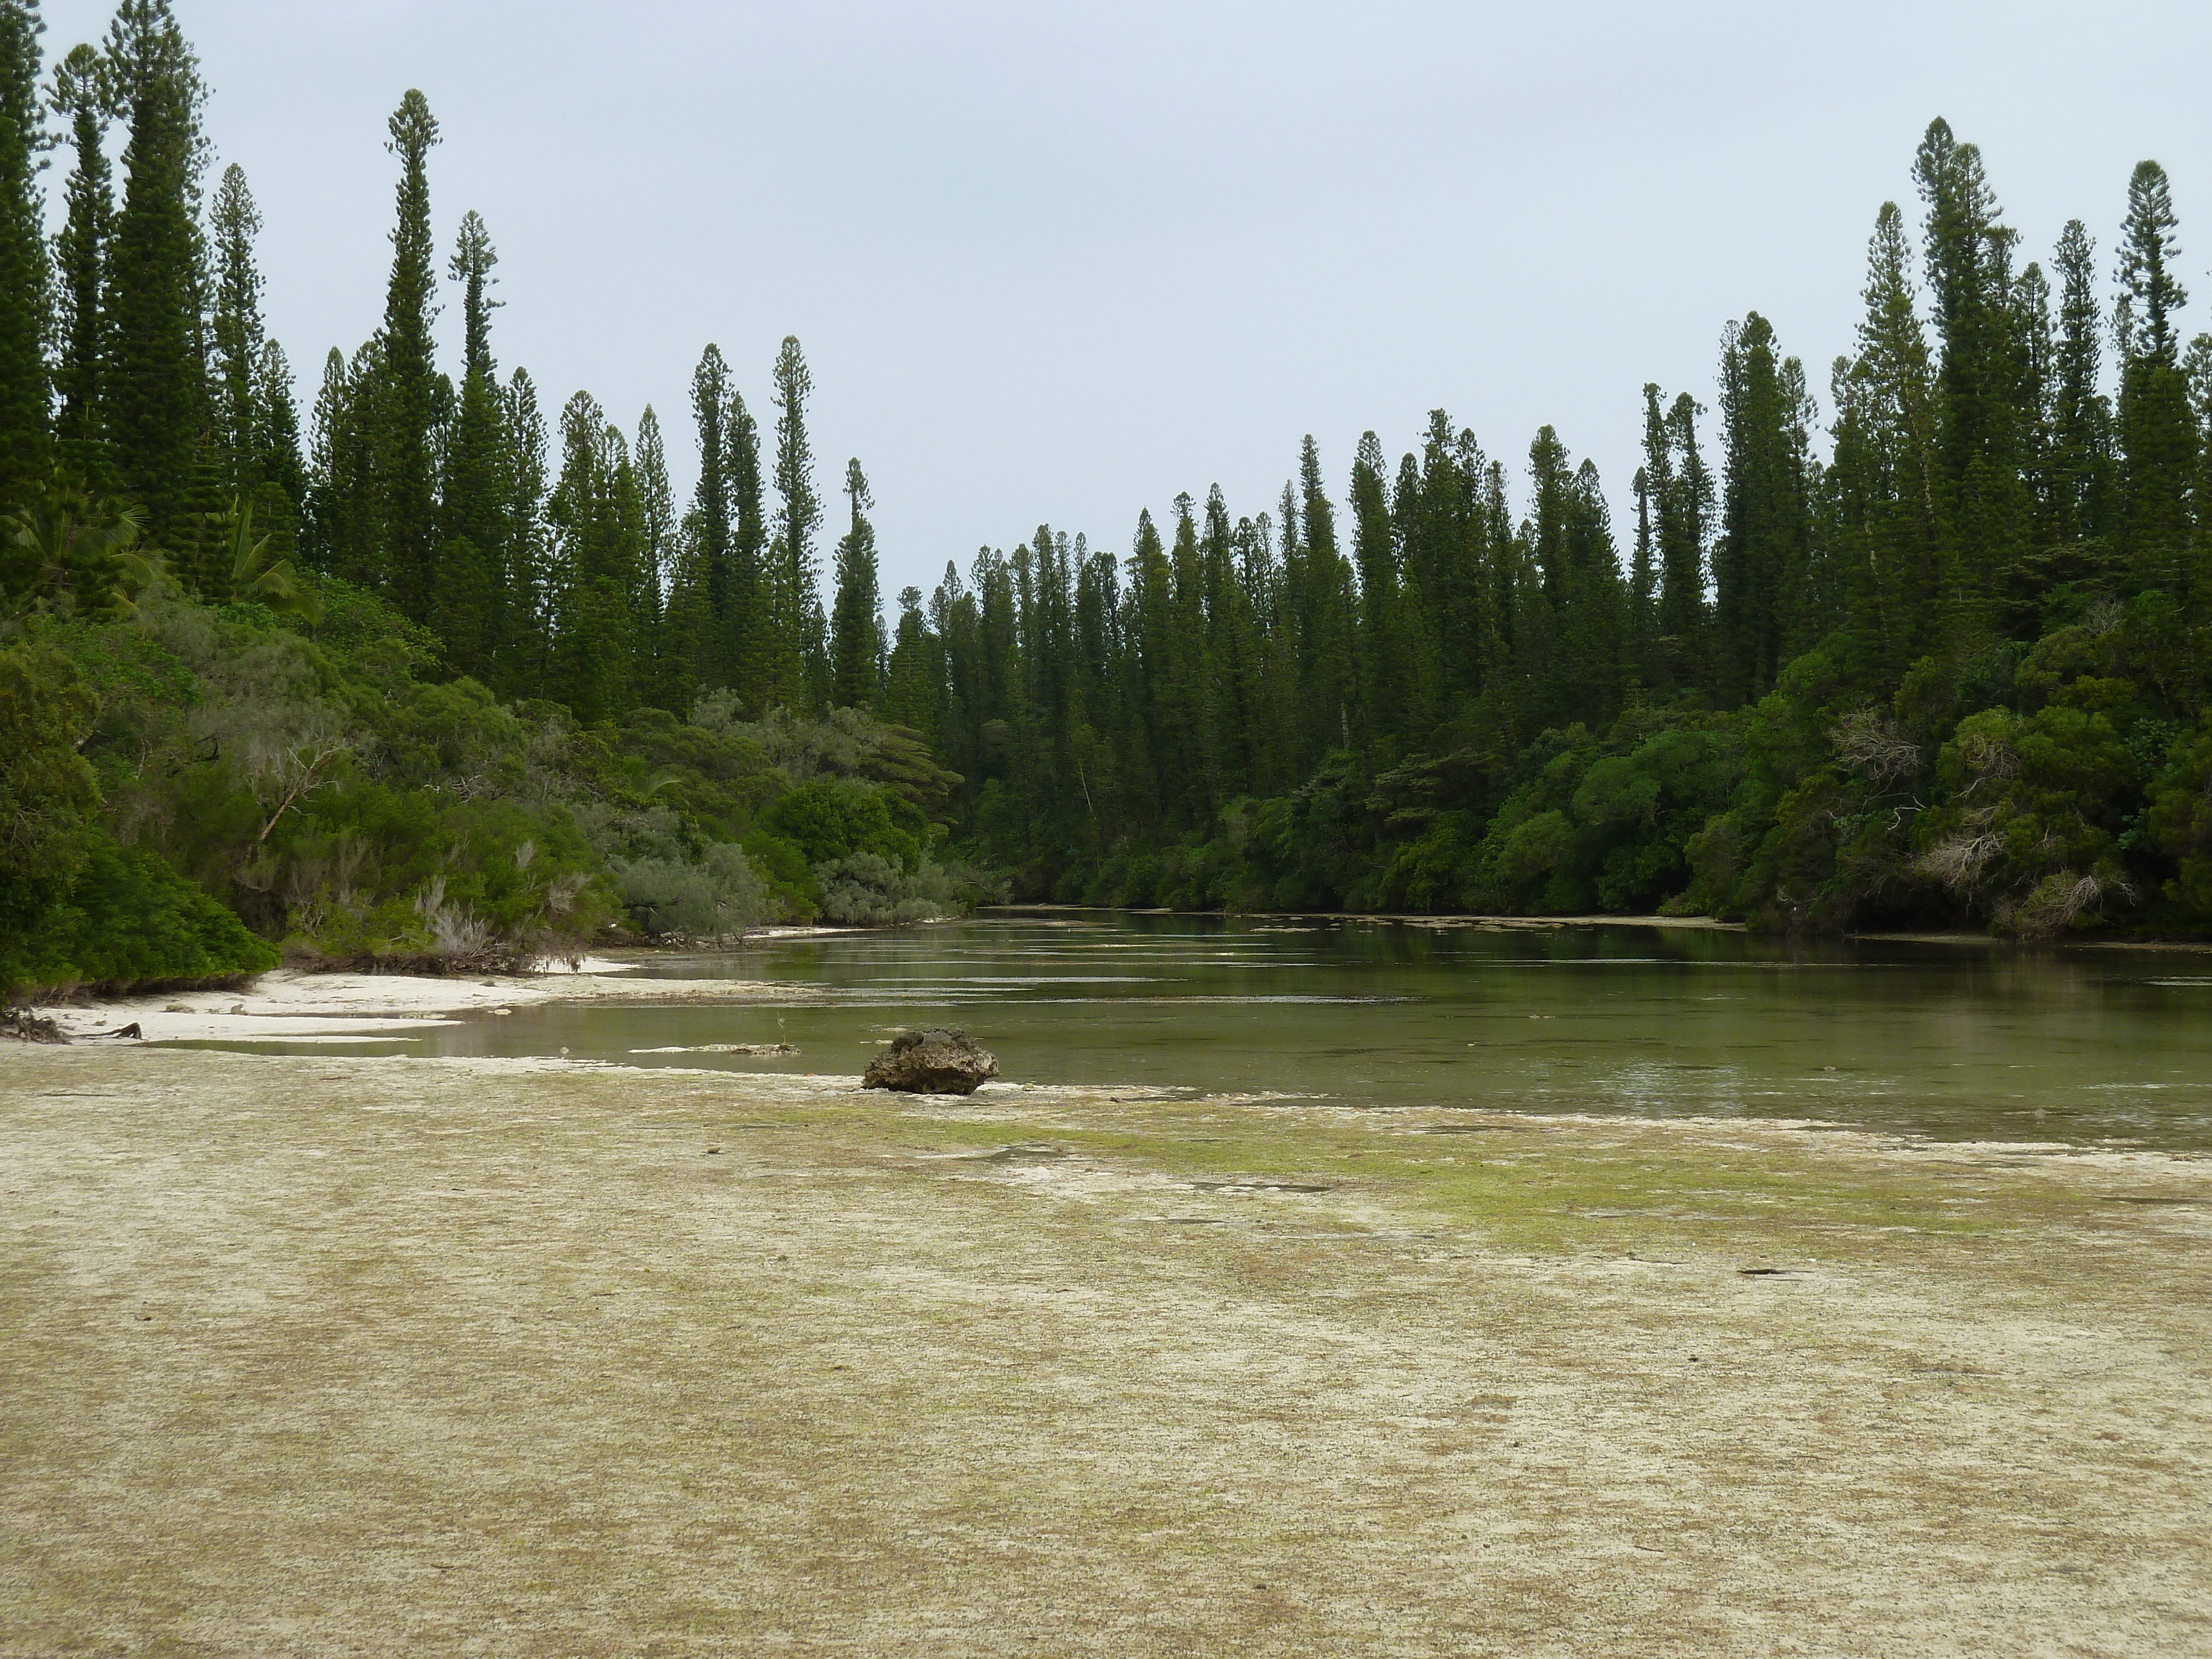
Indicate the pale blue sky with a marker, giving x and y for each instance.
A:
(1062, 262)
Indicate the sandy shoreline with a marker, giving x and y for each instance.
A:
(288, 1005)
(1414, 919)
(312, 1354)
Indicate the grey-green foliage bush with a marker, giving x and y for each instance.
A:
(336, 801)
(327, 787)
(716, 896)
(868, 890)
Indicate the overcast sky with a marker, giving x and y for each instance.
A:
(1059, 262)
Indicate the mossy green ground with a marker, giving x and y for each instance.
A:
(319, 1356)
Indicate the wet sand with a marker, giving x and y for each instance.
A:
(288, 1005)
(321, 1355)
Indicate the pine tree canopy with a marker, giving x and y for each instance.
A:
(26, 281)
(405, 399)
(156, 397)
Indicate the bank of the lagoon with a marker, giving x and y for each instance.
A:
(290, 1007)
(320, 1354)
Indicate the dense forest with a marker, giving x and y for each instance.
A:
(441, 672)
(391, 687)
(1952, 671)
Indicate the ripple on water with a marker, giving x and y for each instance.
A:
(1892, 1035)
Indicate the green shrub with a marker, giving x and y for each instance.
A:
(48, 793)
(833, 818)
(128, 920)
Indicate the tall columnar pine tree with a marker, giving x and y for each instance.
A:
(711, 500)
(2159, 438)
(950, 623)
(632, 569)
(1039, 631)
(1234, 658)
(914, 685)
(1769, 604)
(1579, 672)
(1983, 508)
(239, 332)
(1684, 608)
(469, 601)
(1101, 682)
(687, 625)
(796, 671)
(593, 655)
(321, 531)
(1681, 494)
(1286, 634)
(407, 379)
(344, 531)
(1430, 573)
(2082, 479)
(1644, 657)
(745, 648)
(665, 680)
(2197, 367)
(1600, 633)
(1386, 681)
(2030, 564)
(855, 620)
(1454, 611)
(723, 613)
(529, 591)
(1883, 481)
(84, 96)
(1329, 676)
(255, 447)
(276, 442)
(1186, 692)
(156, 389)
(473, 261)
(25, 285)
(1159, 743)
(1546, 683)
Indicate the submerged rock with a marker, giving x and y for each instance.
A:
(937, 1061)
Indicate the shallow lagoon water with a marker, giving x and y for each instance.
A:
(1955, 1040)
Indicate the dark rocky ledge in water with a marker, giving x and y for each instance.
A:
(936, 1062)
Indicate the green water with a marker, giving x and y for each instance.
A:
(1953, 1041)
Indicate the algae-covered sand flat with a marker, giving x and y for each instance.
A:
(306, 1356)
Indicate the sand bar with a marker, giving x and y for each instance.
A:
(290, 1005)
(311, 1355)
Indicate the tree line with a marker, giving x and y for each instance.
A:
(1749, 700)
(1938, 650)
(391, 685)
(541, 546)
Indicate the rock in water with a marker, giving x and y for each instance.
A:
(937, 1061)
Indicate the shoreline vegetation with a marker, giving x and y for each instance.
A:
(1602, 919)
(429, 672)
(315, 1349)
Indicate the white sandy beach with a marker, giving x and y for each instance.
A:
(290, 1005)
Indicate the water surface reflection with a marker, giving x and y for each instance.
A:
(1949, 1039)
